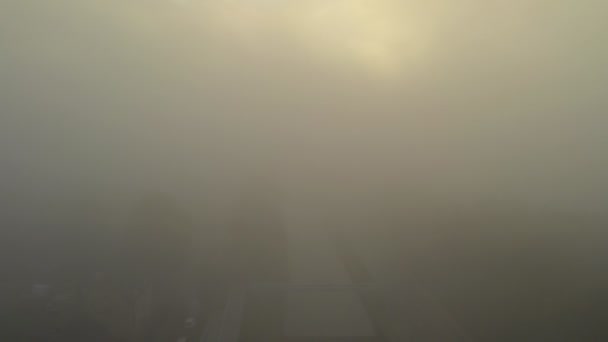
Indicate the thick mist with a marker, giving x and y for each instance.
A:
(457, 142)
(504, 102)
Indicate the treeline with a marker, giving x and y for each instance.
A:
(505, 272)
(87, 277)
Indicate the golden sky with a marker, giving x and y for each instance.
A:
(377, 36)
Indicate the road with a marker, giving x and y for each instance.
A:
(329, 293)
(313, 259)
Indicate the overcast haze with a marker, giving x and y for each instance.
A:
(333, 105)
(471, 98)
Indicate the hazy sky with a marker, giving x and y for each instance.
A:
(462, 99)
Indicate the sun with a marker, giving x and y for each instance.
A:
(365, 32)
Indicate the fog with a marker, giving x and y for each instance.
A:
(451, 143)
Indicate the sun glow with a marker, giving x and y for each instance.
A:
(368, 32)
(378, 35)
